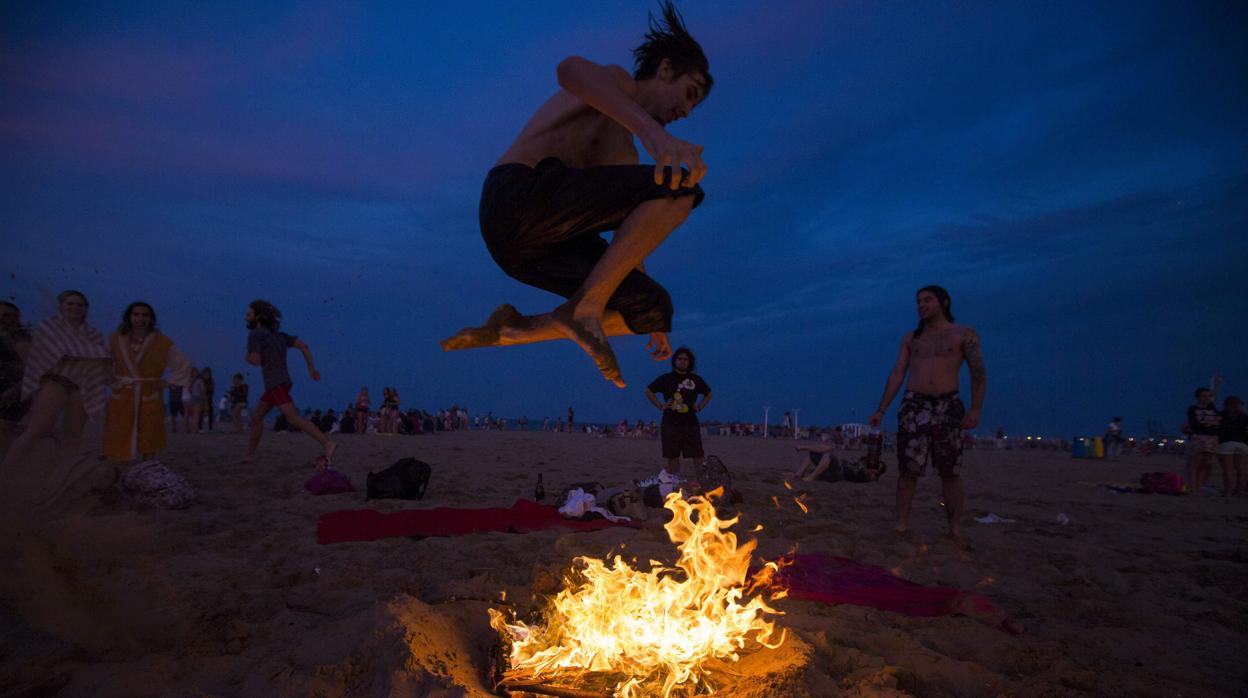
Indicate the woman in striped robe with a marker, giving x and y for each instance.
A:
(65, 373)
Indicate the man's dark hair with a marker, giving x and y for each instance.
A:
(125, 327)
(669, 39)
(238, 376)
(687, 352)
(946, 305)
(11, 305)
(267, 315)
(1201, 390)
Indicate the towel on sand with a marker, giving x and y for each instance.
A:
(843, 580)
(367, 524)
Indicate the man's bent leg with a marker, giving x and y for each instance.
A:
(580, 318)
(584, 318)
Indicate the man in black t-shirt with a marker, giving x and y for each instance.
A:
(680, 432)
(1202, 438)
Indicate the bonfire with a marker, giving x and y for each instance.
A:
(644, 633)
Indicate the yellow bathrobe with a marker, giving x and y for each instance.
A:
(136, 409)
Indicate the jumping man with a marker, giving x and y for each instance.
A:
(573, 174)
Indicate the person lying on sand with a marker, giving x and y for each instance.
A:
(573, 174)
(819, 462)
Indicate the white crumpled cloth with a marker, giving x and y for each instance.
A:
(581, 502)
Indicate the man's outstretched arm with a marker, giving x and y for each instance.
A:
(611, 90)
(979, 377)
(307, 356)
(893, 384)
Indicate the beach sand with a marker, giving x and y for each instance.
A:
(1137, 595)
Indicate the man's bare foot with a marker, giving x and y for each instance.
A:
(329, 452)
(588, 335)
(900, 531)
(487, 335)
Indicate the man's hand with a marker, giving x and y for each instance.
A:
(971, 420)
(875, 419)
(316, 375)
(669, 151)
(658, 346)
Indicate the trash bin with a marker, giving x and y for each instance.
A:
(1079, 449)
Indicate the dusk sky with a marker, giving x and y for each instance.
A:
(1076, 174)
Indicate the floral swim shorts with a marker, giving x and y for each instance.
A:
(929, 427)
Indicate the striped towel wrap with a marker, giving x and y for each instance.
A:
(73, 353)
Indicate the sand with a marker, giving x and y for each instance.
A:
(1138, 595)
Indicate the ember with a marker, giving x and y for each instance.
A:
(654, 630)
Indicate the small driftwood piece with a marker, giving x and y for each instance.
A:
(545, 689)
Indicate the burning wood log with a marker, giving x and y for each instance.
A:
(546, 689)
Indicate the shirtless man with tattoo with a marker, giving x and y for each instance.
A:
(573, 174)
(931, 418)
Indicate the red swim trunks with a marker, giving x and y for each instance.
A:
(279, 395)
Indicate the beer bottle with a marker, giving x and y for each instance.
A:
(875, 446)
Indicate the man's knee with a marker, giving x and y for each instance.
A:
(675, 210)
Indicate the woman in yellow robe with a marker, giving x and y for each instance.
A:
(135, 424)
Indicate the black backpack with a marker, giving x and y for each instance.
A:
(406, 479)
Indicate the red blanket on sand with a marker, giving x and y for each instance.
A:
(352, 525)
(843, 580)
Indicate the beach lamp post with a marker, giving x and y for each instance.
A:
(795, 411)
(766, 410)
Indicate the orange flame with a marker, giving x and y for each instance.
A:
(801, 503)
(656, 629)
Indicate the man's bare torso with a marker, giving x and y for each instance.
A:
(935, 359)
(576, 133)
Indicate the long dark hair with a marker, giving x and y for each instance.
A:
(669, 39)
(266, 314)
(125, 327)
(946, 305)
(687, 352)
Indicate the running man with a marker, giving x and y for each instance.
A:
(573, 174)
(266, 348)
(931, 418)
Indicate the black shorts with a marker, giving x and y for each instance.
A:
(681, 440)
(543, 226)
(176, 408)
